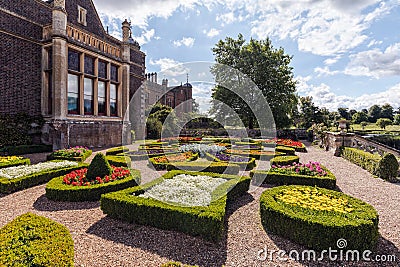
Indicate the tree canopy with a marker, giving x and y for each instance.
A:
(268, 68)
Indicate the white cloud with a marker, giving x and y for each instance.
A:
(331, 61)
(170, 67)
(375, 63)
(374, 42)
(226, 18)
(325, 71)
(186, 41)
(212, 32)
(324, 97)
(145, 37)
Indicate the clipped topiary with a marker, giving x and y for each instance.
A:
(99, 167)
(388, 167)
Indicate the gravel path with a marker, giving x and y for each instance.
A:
(102, 241)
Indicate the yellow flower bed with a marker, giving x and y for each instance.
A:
(313, 199)
(7, 159)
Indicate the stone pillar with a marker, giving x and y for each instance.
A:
(125, 77)
(60, 74)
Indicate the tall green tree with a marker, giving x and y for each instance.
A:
(383, 122)
(387, 111)
(267, 67)
(374, 113)
(309, 112)
(359, 117)
(344, 113)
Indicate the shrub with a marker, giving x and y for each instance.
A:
(99, 167)
(116, 150)
(32, 240)
(153, 128)
(74, 153)
(284, 160)
(365, 160)
(204, 221)
(245, 163)
(286, 150)
(204, 166)
(388, 167)
(26, 149)
(318, 222)
(275, 177)
(10, 161)
(119, 161)
(59, 191)
(11, 185)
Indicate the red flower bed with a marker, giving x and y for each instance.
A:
(78, 177)
(285, 142)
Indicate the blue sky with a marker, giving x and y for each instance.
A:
(346, 53)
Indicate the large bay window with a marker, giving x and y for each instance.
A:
(92, 85)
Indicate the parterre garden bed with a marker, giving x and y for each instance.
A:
(173, 202)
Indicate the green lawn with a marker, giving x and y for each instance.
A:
(371, 127)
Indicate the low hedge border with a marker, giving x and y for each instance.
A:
(163, 166)
(26, 149)
(116, 150)
(204, 166)
(249, 165)
(80, 159)
(12, 185)
(134, 157)
(17, 162)
(320, 230)
(370, 162)
(271, 177)
(207, 222)
(252, 153)
(302, 149)
(154, 144)
(119, 160)
(284, 149)
(176, 264)
(284, 160)
(32, 240)
(58, 191)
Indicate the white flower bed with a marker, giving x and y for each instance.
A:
(25, 170)
(186, 190)
(202, 149)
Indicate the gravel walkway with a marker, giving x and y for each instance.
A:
(102, 241)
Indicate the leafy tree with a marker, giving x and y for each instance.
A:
(267, 67)
(374, 113)
(359, 117)
(351, 113)
(396, 119)
(387, 111)
(383, 122)
(160, 113)
(344, 113)
(309, 113)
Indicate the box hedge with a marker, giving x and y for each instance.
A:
(116, 150)
(26, 149)
(246, 165)
(119, 160)
(12, 185)
(32, 240)
(205, 166)
(284, 149)
(271, 177)
(16, 162)
(176, 264)
(58, 191)
(383, 167)
(254, 153)
(85, 155)
(207, 222)
(146, 156)
(284, 160)
(163, 165)
(320, 229)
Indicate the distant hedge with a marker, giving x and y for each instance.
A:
(204, 166)
(285, 149)
(284, 160)
(385, 168)
(32, 240)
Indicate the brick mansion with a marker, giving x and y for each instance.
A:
(58, 61)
